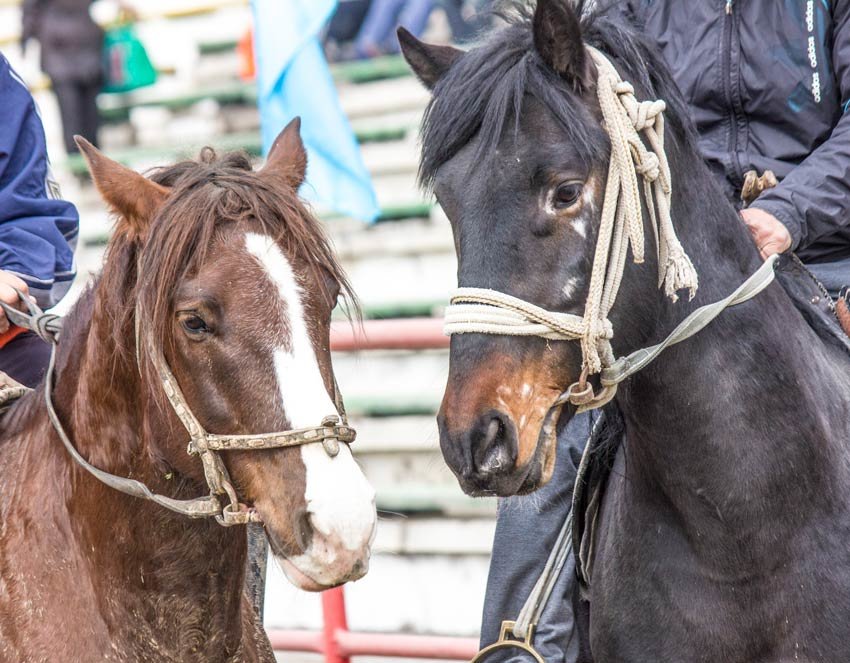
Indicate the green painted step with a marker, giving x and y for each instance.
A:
(116, 107)
(215, 47)
(386, 406)
(375, 69)
(392, 310)
(248, 141)
(425, 498)
(415, 210)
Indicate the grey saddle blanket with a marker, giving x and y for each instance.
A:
(816, 306)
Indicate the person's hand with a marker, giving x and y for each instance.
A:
(8, 282)
(769, 233)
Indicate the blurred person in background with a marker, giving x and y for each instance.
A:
(72, 56)
(343, 29)
(377, 34)
(38, 230)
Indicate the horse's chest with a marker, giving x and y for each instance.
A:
(653, 597)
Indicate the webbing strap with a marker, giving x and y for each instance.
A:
(627, 366)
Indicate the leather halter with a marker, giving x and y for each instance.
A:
(333, 430)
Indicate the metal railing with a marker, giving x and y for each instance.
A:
(338, 644)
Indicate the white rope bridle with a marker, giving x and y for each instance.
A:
(485, 311)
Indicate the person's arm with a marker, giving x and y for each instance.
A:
(813, 200)
(38, 231)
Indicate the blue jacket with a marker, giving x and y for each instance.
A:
(768, 82)
(38, 230)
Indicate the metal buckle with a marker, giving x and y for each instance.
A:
(237, 514)
(507, 641)
(581, 392)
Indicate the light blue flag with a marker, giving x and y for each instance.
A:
(293, 79)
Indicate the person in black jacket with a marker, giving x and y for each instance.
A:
(768, 84)
(72, 56)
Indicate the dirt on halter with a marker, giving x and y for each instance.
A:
(237, 283)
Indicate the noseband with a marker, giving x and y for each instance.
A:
(485, 311)
(333, 430)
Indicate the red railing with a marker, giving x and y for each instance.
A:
(400, 334)
(338, 644)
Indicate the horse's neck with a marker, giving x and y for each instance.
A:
(749, 416)
(181, 569)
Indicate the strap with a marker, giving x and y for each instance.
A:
(627, 366)
(532, 609)
(293, 438)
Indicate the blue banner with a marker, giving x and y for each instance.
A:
(294, 79)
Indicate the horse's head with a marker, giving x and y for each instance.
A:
(514, 148)
(236, 285)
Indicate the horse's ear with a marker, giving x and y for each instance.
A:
(428, 61)
(133, 197)
(557, 38)
(287, 160)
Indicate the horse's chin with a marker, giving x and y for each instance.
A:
(300, 579)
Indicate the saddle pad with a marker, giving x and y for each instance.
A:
(817, 308)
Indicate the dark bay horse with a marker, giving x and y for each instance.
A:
(725, 529)
(235, 282)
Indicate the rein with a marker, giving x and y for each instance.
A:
(333, 430)
(485, 311)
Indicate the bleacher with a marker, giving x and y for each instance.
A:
(433, 540)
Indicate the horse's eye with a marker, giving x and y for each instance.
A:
(567, 194)
(194, 324)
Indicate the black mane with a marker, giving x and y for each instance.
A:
(486, 86)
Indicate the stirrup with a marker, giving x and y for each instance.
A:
(507, 641)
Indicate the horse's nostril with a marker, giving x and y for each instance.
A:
(495, 450)
(493, 430)
(303, 530)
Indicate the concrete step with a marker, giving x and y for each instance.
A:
(376, 380)
(431, 594)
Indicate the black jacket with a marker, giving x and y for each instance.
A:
(71, 42)
(768, 82)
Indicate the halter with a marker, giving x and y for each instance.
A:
(333, 430)
(485, 311)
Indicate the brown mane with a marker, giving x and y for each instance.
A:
(206, 194)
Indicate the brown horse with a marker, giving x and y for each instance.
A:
(235, 283)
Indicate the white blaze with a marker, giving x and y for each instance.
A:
(338, 496)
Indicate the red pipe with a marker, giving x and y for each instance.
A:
(312, 641)
(398, 334)
(333, 613)
(406, 646)
(377, 644)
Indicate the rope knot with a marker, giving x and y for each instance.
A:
(648, 166)
(623, 88)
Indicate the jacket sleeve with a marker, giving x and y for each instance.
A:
(38, 231)
(813, 201)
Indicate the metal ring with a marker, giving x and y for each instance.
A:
(506, 642)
